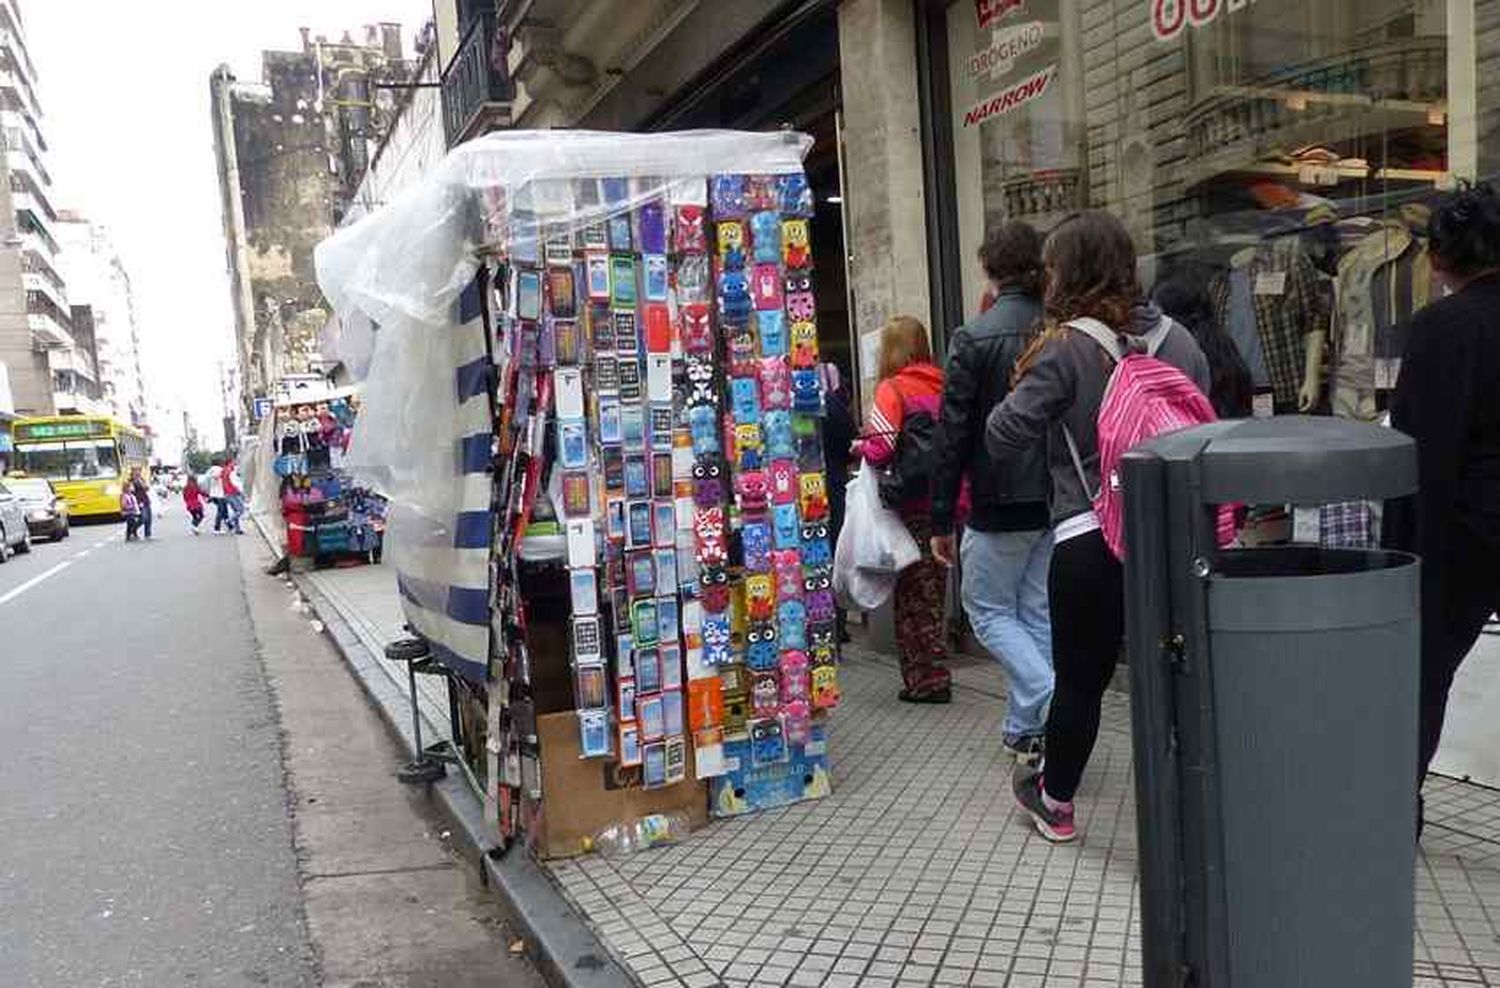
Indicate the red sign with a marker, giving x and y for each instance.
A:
(1010, 97)
(990, 12)
(1169, 17)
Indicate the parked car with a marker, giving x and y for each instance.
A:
(14, 535)
(46, 511)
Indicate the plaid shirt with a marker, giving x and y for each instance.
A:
(1282, 320)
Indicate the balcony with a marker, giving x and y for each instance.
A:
(47, 333)
(477, 88)
(43, 286)
(10, 28)
(24, 184)
(22, 153)
(34, 233)
(33, 262)
(50, 325)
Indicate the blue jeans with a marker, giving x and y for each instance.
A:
(1005, 596)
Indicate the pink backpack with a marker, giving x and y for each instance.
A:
(1144, 398)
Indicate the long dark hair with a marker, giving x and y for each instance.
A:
(1183, 295)
(1090, 271)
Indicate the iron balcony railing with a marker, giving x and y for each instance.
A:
(476, 80)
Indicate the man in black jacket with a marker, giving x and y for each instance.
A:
(1007, 547)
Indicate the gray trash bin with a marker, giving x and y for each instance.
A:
(1274, 713)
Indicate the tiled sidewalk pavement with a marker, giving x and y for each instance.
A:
(917, 870)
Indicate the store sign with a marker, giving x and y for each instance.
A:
(1005, 47)
(989, 12)
(1010, 97)
(1170, 17)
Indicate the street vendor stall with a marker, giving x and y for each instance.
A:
(594, 402)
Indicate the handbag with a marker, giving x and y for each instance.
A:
(908, 474)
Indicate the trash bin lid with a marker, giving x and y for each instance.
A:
(1298, 459)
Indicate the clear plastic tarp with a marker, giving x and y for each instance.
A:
(406, 266)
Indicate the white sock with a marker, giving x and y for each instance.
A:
(1054, 804)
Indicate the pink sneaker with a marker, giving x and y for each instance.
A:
(1055, 825)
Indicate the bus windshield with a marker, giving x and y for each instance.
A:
(88, 460)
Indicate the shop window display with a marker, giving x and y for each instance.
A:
(1276, 158)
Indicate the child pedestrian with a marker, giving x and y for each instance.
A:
(130, 508)
(192, 498)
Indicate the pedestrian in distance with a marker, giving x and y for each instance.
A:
(1089, 272)
(1006, 549)
(216, 494)
(130, 510)
(192, 499)
(911, 385)
(142, 492)
(234, 495)
(1447, 401)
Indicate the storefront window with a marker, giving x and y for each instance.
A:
(1275, 160)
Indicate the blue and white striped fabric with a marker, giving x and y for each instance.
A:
(444, 578)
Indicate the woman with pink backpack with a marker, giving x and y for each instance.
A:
(1095, 313)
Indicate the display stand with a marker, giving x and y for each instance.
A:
(330, 521)
(662, 624)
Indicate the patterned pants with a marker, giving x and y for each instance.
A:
(920, 610)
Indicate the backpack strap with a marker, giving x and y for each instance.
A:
(1111, 340)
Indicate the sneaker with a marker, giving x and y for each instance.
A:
(1026, 748)
(1055, 825)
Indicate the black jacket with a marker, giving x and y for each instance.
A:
(1008, 497)
(1448, 400)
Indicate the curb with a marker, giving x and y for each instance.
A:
(558, 941)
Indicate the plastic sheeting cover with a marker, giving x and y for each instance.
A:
(406, 265)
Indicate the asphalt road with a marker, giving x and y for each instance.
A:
(144, 831)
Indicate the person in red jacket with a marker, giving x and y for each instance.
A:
(910, 382)
(234, 496)
(192, 499)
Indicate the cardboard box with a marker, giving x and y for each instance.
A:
(580, 796)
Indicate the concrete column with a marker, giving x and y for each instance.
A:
(883, 167)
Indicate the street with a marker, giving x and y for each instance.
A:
(169, 819)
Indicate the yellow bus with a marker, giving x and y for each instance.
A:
(87, 458)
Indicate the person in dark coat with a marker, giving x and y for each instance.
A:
(1447, 400)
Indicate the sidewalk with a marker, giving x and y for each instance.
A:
(918, 870)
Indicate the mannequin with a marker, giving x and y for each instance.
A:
(1272, 304)
(1312, 371)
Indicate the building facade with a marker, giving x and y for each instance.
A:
(101, 296)
(48, 373)
(1212, 127)
(291, 150)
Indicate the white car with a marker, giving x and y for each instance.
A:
(15, 535)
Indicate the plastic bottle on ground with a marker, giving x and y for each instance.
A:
(653, 830)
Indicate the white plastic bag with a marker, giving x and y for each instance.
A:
(874, 546)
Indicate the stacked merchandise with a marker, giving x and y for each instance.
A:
(656, 350)
(317, 496)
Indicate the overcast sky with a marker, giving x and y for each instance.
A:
(124, 89)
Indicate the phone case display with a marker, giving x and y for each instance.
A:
(656, 351)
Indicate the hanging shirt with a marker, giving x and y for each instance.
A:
(1354, 324)
(1287, 303)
